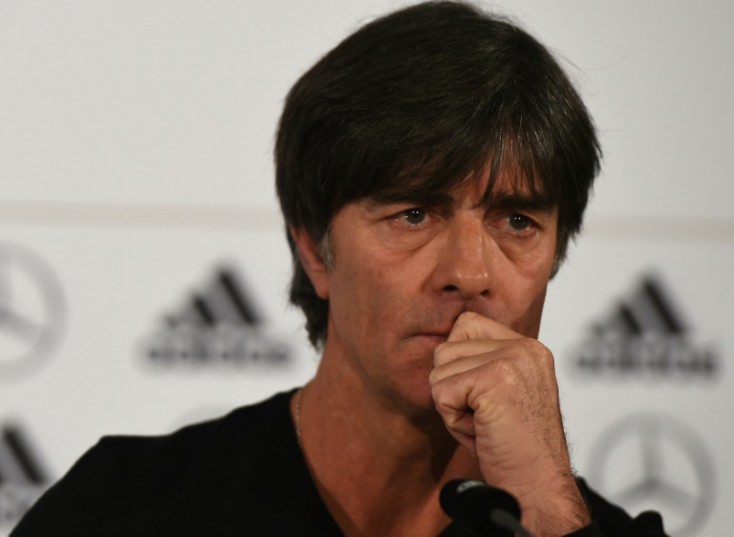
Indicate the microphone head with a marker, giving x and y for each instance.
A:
(470, 503)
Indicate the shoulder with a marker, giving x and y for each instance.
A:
(162, 480)
(195, 451)
(242, 429)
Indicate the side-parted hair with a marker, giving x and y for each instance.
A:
(413, 104)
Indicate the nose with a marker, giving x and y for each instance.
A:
(464, 265)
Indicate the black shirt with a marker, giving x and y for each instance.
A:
(240, 475)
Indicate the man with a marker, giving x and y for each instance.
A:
(431, 170)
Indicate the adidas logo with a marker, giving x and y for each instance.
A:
(644, 335)
(22, 477)
(219, 326)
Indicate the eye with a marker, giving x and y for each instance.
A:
(414, 216)
(519, 222)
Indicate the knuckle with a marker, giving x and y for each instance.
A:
(433, 378)
(543, 353)
(439, 395)
(440, 354)
(536, 349)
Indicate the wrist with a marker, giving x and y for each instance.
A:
(554, 511)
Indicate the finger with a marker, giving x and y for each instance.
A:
(454, 395)
(451, 405)
(469, 441)
(454, 350)
(456, 366)
(458, 421)
(470, 325)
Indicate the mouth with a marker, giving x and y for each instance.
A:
(434, 338)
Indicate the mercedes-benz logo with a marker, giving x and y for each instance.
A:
(31, 310)
(654, 462)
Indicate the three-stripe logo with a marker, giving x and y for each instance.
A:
(22, 476)
(645, 335)
(220, 325)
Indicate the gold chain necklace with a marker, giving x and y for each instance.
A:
(297, 417)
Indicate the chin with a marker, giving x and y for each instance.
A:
(412, 394)
(407, 386)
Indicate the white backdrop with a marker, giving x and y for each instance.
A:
(136, 175)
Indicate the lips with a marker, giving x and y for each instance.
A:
(438, 326)
(434, 337)
(441, 337)
(438, 334)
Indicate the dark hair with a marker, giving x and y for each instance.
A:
(420, 100)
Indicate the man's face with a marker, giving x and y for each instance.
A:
(403, 271)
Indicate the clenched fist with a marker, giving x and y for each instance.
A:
(496, 391)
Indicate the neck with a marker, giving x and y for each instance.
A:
(378, 466)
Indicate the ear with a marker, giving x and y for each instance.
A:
(311, 260)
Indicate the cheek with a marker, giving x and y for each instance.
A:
(525, 309)
(358, 296)
(536, 305)
(533, 270)
(529, 290)
(384, 295)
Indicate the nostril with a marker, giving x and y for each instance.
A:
(465, 292)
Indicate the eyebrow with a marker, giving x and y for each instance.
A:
(433, 199)
(513, 200)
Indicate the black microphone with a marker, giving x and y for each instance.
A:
(484, 509)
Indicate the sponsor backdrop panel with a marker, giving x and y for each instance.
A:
(115, 330)
(159, 328)
(142, 266)
(641, 333)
